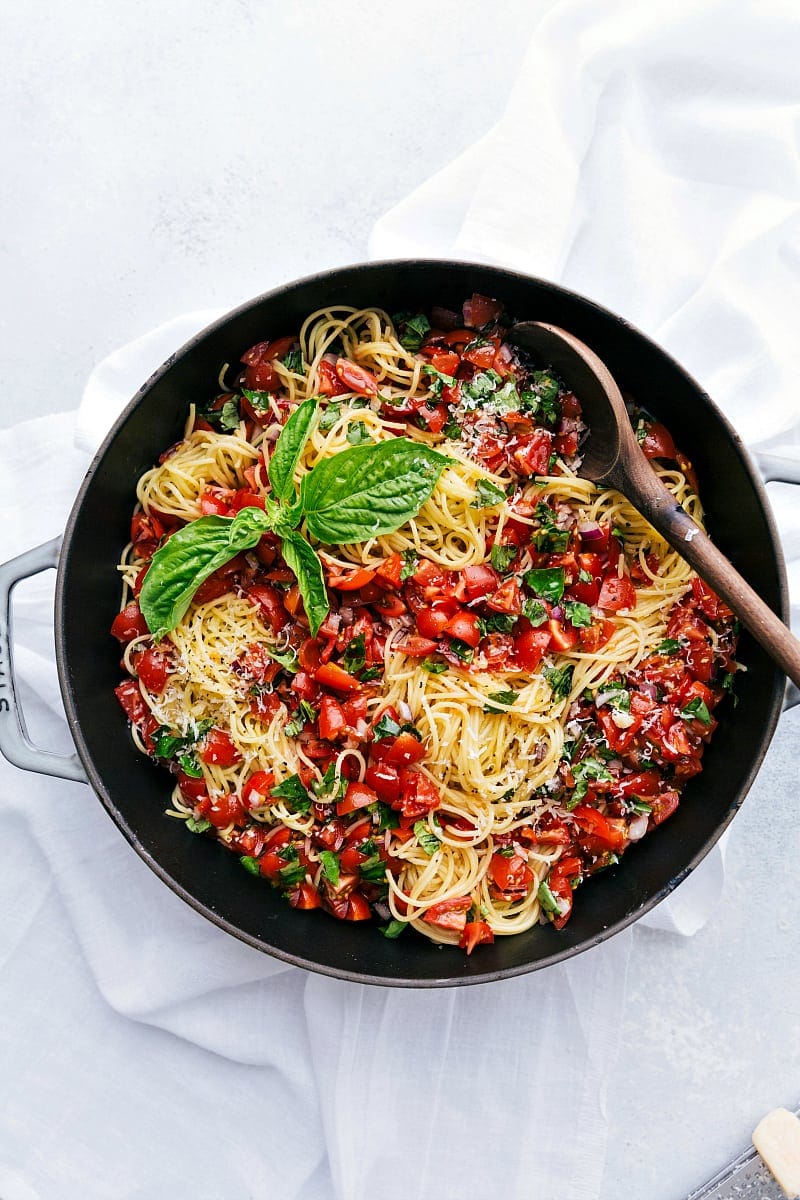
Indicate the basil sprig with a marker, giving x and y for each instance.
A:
(350, 497)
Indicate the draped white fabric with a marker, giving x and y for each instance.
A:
(648, 158)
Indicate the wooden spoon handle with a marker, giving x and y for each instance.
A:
(657, 505)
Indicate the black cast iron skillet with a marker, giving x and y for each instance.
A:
(135, 792)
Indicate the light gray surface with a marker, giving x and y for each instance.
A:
(173, 157)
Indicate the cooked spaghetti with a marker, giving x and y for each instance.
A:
(506, 690)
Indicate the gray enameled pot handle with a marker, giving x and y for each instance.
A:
(775, 469)
(15, 744)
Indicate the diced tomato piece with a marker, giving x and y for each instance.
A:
(480, 310)
(358, 795)
(507, 598)
(389, 571)
(415, 647)
(618, 739)
(418, 794)
(349, 581)
(192, 789)
(355, 710)
(609, 831)
(530, 647)
(223, 810)
(642, 783)
(511, 876)
(329, 382)
(132, 701)
(218, 749)
(585, 592)
(305, 895)
(385, 779)
(256, 791)
(482, 356)
(700, 660)
(405, 750)
(617, 593)
(358, 908)
(269, 602)
(356, 378)
(449, 914)
(531, 455)
(478, 581)
(332, 723)
(445, 361)
(432, 578)
(129, 623)
(709, 602)
(658, 442)
(664, 805)
(464, 626)
(243, 498)
(153, 670)
(597, 635)
(475, 933)
(333, 676)
(431, 621)
(562, 637)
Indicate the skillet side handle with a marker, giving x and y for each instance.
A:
(15, 744)
(775, 469)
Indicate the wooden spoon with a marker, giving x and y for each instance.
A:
(612, 456)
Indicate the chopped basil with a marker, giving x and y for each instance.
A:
(496, 623)
(546, 385)
(287, 658)
(696, 710)
(293, 361)
(229, 415)
(165, 743)
(387, 817)
(619, 534)
(501, 556)
(393, 929)
(190, 766)
(411, 330)
(579, 615)
(410, 565)
(668, 646)
(582, 772)
(560, 680)
(292, 789)
(614, 694)
(327, 787)
(198, 826)
(462, 650)
(353, 659)
(330, 866)
(585, 576)
(427, 839)
(487, 495)
(369, 673)
(547, 900)
(292, 873)
(438, 381)
(535, 611)
(641, 807)
(451, 429)
(259, 401)
(296, 726)
(553, 541)
(308, 710)
(480, 386)
(250, 864)
(727, 684)
(373, 869)
(358, 434)
(506, 399)
(506, 698)
(433, 666)
(385, 727)
(547, 582)
(329, 416)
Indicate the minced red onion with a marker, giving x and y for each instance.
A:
(404, 710)
(590, 531)
(637, 828)
(557, 612)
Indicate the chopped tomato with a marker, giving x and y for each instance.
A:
(332, 722)
(507, 598)
(132, 701)
(329, 382)
(431, 621)
(269, 602)
(531, 455)
(475, 933)
(445, 361)
(256, 791)
(658, 442)
(192, 789)
(530, 647)
(562, 637)
(358, 908)
(708, 601)
(129, 623)
(260, 375)
(664, 805)
(510, 875)
(618, 739)
(405, 750)
(385, 779)
(418, 794)
(358, 795)
(482, 356)
(480, 310)
(597, 635)
(478, 581)
(617, 593)
(415, 647)
(464, 626)
(389, 571)
(356, 378)
(223, 810)
(643, 783)
(218, 749)
(332, 676)
(304, 896)
(449, 914)
(153, 670)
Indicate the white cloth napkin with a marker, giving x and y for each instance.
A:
(647, 159)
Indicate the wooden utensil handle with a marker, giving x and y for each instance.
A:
(658, 506)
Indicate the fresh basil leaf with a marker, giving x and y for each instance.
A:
(249, 524)
(579, 615)
(462, 650)
(410, 565)
(369, 490)
(179, 567)
(292, 873)
(289, 447)
(727, 684)
(197, 826)
(696, 710)
(385, 727)
(190, 766)
(529, 401)
(250, 864)
(506, 698)
(393, 929)
(329, 416)
(374, 869)
(505, 400)
(501, 556)
(547, 582)
(411, 330)
(437, 379)
(259, 401)
(292, 789)
(479, 387)
(553, 541)
(548, 901)
(287, 658)
(582, 772)
(296, 726)
(330, 866)
(427, 839)
(433, 667)
(535, 611)
(560, 680)
(165, 742)
(641, 807)
(353, 659)
(487, 495)
(668, 646)
(452, 430)
(327, 786)
(358, 434)
(293, 361)
(615, 694)
(302, 561)
(496, 623)
(229, 415)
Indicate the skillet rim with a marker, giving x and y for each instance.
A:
(772, 713)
